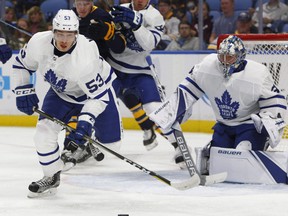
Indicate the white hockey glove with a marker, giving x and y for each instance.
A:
(273, 125)
(177, 108)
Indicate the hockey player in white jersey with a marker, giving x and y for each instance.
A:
(81, 85)
(142, 26)
(248, 106)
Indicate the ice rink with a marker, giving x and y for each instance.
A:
(114, 187)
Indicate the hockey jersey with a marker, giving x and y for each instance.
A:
(79, 76)
(234, 99)
(139, 43)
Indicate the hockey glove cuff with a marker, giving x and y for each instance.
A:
(83, 129)
(126, 15)
(26, 99)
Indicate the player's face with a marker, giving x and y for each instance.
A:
(139, 4)
(227, 59)
(83, 7)
(64, 40)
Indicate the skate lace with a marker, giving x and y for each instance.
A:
(45, 181)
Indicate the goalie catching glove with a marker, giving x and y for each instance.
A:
(26, 99)
(273, 125)
(127, 16)
(101, 30)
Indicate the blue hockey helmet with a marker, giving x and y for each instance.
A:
(231, 54)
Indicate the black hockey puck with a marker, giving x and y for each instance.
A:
(99, 156)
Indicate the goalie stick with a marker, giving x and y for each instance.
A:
(203, 179)
(189, 183)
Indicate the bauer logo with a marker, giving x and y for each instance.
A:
(4, 83)
(229, 152)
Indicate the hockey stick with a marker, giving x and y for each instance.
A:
(189, 183)
(203, 180)
(14, 27)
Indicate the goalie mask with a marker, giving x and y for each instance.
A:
(65, 20)
(231, 54)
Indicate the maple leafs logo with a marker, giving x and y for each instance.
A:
(227, 109)
(51, 77)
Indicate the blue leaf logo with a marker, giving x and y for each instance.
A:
(51, 77)
(227, 108)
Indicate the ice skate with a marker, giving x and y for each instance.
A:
(68, 160)
(149, 139)
(47, 186)
(83, 154)
(71, 159)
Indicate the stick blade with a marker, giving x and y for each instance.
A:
(190, 183)
(213, 179)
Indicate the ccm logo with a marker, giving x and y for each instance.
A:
(24, 91)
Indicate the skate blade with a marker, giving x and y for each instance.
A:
(47, 193)
(151, 146)
(67, 166)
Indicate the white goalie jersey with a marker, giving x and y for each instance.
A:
(139, 43)
(73, 81)
(232, 99)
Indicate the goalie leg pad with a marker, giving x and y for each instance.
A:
(257, 167)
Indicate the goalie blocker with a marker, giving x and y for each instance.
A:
(244, 166)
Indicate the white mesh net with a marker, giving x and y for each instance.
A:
(270, 50)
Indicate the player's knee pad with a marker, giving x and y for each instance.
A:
(130, 98)
(244, 145)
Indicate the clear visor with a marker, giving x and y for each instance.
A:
(65, 36)
(227, 59)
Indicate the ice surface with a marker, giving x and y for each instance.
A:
(114, 187)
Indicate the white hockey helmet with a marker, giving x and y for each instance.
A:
(65, 20)
(231, 54)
